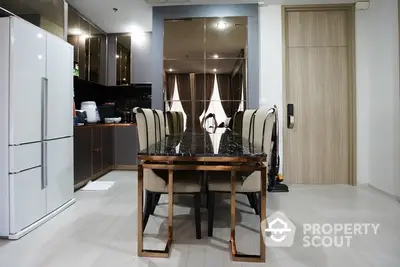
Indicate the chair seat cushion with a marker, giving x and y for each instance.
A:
(184, 181)
(246, 182)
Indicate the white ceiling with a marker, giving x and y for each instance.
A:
(137, 14)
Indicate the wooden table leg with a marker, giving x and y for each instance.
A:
(170, 204)
(140, 210)
(153, 253)
(263, 212)
(235, 256)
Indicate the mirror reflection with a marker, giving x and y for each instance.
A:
(89, 48)
(123, 60)
(205, 69)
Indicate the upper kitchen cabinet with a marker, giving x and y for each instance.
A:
(48, 15)
(123, 58)
(89, 48)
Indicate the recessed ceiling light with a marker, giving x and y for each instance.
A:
(214, 70)
(222, 25)
(215, 56)
(170, 70)
(117, 56)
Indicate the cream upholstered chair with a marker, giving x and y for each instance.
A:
(156, 181)
(159, 121)
(175, 121)
(247, 124)
(246, 183)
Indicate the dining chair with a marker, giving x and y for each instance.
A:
(156, 181)
(247, 123)
(236, 123)
(246, 183)
(175, 121)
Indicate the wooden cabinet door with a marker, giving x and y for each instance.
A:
(97, 164)
(126, 146)
(107, 144)
(82, 154)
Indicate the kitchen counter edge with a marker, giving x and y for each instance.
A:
(107, 125)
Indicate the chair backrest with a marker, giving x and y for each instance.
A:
(159, 124)
(248, 123)
(237, 122)
(146, 127)
(264, 120)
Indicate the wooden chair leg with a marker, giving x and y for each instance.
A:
(211, 206)
(156, 199)
(147, 208)
(197, 217)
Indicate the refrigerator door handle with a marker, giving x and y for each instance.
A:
(44, 164)
(43, 96)
(44, 106)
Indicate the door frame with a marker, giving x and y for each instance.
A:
(350, 8)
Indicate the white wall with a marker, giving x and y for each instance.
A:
(270, 21)
(377, 80)
(377, 46)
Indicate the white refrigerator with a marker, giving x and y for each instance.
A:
(36, 143)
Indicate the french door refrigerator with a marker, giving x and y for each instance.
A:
(36, 91)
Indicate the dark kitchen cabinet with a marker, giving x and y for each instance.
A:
(107, 144)
(99, 149)
(96, 150)
(126, 146)
(82, 154)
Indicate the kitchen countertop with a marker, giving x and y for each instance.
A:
(108, 125)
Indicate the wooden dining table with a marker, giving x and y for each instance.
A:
(202, 151)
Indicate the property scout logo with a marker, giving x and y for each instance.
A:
(279, 231)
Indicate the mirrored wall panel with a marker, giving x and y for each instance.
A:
(123, 60)
(48, 15)
(205, 69)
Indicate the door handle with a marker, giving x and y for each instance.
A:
(290, 116)
(45, 89)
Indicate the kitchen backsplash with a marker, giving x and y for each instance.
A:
(136, 95)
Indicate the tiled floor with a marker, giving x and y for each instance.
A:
(100, 231)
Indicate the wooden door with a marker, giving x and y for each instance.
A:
(318, 71)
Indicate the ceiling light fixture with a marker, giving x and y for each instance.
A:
(222, 25)
(40, 35)
(215, 56)
(170, 70)
(214, 70)
(117, 56)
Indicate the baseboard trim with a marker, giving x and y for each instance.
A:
(126, 167)
(384, 193)
(41, 221)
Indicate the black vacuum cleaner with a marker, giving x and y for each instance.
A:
(275, 184)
